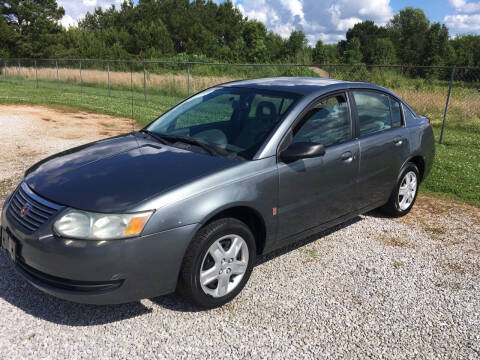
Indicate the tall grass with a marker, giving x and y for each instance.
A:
(169, 84)
(157, 78)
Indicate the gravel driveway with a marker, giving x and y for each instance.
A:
(371, 288)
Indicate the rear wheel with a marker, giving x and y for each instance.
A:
(405, 192)
(218, 263)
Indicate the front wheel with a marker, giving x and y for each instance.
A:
(218, 263)
(405, 192)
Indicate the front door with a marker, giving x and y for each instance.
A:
(316, 190)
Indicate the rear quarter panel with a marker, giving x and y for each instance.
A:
(422, 140)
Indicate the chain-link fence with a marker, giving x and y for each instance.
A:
(447, 95)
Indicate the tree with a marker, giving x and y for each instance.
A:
(202, 42)
(408, 32)
(151, 40)
(384, 52)
(467, 50)
(353, 54)
(275, 46)
(319, 53)
(7, 39)
(438, 50)
(254, 35)
(367, 33)
(35, 23)
(296, 43)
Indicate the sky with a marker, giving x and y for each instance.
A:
(327, 20)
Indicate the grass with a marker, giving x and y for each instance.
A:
(312, 253)
(456, 172)
(92, 99)
(398, 264)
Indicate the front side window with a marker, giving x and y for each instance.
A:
(327, 123)
(232, 120)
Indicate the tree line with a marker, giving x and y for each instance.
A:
(202, 30)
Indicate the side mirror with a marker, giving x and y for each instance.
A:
(302, 150)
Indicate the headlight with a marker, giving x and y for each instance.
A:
(92, 226)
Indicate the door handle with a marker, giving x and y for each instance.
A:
(347, 157)
(398, 140)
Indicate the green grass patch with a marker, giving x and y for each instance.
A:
(94, 99)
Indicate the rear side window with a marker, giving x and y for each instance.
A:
(396, 113)
(373, 111)
(328, 123)
(280, 104)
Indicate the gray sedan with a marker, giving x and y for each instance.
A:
(191, 200)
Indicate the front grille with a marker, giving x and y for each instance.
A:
(38, 210)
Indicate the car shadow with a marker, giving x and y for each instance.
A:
(307, 240)
(378, 214)
(175, 303)
(22, 295)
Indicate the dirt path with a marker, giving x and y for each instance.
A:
(320, 72)
(30, 133)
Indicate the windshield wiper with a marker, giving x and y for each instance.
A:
(155, 136)
(208, 148)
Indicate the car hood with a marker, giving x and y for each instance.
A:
(115, 174)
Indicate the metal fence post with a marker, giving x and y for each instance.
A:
(36, 75)
(108, 76)
(18, 69)
(144, 83)
(58, 79)
(188, 79)
(5, 70)
(81, 81)
(446, 105)
(131, 92)
(330, 72)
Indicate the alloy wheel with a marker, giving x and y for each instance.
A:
(224, 265)
(407, 190)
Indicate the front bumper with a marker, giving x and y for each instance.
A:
(98, 272)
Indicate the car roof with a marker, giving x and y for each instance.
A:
(301, 85)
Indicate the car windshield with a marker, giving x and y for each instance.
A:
(228, 120)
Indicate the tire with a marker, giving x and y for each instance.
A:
(218, 263)
(400, 205)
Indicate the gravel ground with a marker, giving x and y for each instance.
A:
(371, 288)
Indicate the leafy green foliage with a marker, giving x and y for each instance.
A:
(366, 33)
(408, 30)
(384, 52)
(353, 52)
(467, 49)
(33, 26)
(161, 29)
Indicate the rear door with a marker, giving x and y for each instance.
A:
(383, 144)
(316, 190)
